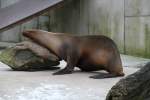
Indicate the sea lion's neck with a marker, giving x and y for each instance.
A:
(51, 42)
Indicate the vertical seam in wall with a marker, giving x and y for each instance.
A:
(38, 22)
(0, 32)
(124, 29)
(49, 21)
(88, 17)
(79, 15)
(0, 4)
(20, 33)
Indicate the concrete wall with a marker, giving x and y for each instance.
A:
(14, 34)
(137, 27)
(127, 22)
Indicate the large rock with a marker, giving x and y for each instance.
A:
(25, 60)
(133, 87)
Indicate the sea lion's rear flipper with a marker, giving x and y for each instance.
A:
(104, 75)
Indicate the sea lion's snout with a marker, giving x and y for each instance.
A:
(29, 33)
(26, 33)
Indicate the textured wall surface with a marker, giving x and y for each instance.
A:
(127, 22)
(92, 17)
(137, 27)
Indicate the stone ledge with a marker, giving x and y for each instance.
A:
(6, 44)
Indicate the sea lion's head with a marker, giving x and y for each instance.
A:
(37, 36)
(30, 33)
(33, 34)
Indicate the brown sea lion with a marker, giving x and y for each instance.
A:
(89, 53)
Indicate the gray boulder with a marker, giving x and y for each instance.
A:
(26, 60)
(133, 87)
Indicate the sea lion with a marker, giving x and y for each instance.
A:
(89, 53)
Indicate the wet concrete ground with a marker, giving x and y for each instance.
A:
(42, 85)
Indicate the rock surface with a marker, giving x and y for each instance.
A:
(25, 60)
(133, 87)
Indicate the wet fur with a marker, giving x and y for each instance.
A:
(89, 53)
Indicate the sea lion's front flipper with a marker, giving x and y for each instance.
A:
(72, 58)
(64, 71)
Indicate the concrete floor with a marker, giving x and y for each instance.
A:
(42, 85)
